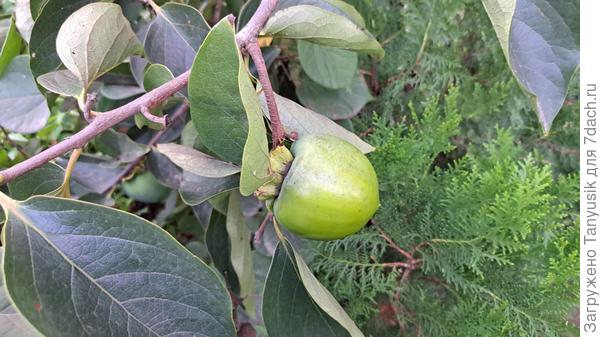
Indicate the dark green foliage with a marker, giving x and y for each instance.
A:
(496, 233)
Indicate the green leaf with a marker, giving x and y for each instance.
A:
(11, 45)
(219, 249)
(23, 19)
(215, 104)
(118, 92)
(197, 162)
(42, 180)
(95, 39)
(156, 75)
(290, 307)
(241, 253)
(255, 159)
(320, 26)
(139, 280)
(174, 36)
(62, 82)
(49, 16)
(540, 39)
(342, 103)
(333, 68)
(119, 146)
(335, 6)
(303, 121)
(23, 108)
(225, 109)
(195, 189)
(12, 324)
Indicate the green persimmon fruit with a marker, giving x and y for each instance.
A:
(145, 188)
(330, 190)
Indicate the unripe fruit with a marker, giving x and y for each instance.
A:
(330, 190)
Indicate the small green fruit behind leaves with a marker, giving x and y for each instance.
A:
(139, 280)
(95, 39)
(225, 108)
(295, 304)
(145, 188)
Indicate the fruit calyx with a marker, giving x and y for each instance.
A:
(280, 160)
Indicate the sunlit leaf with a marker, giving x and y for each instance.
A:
(320, 26)
(23, 19)
(95, 39)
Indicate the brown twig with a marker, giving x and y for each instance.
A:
(253, 50)
(87, 107)
(152, 118)
(106, 120)
(261, 229)
(216, 12)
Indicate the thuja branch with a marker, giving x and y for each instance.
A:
(106, 120)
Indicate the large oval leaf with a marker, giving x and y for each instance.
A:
(49, 16)
(195, 189)
(303, 121)
(320, 26)
(174, 36)
(62, 82)
(335, 6)
(290, 306)
(342, 103)
(22, 107)
(95, 39)
(330, 67)
(64, 257)
(225, 108)
(540, 39)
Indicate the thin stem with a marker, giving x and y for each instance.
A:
(66, 186)
(261, 229)
(87, 107)
(152, 118)
(253, 50)
(106, 120)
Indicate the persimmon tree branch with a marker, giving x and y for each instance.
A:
(253, 50)
(103, 121)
